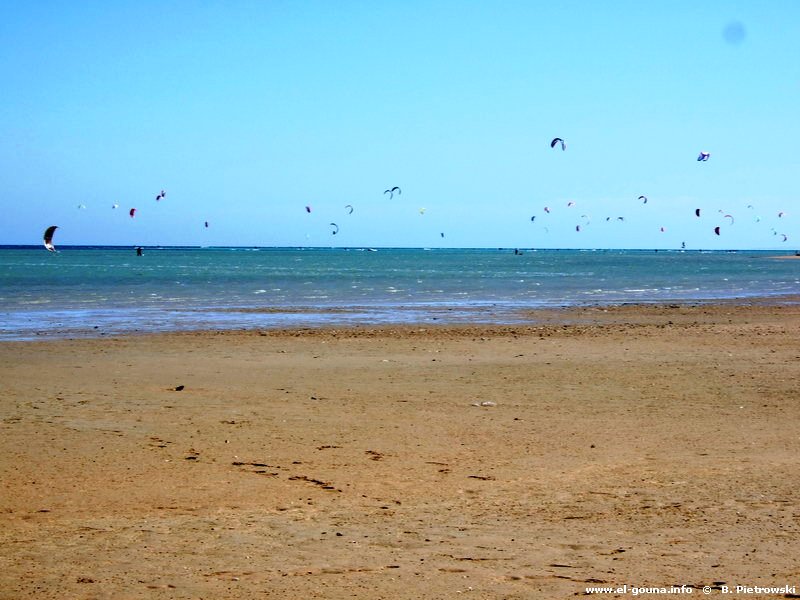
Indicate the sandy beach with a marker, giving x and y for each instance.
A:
(643, 446)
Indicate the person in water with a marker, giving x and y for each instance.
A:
(139, 251)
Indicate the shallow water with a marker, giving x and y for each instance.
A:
(99, 291)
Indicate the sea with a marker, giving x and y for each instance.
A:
(100, 291)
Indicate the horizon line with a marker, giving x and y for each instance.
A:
(360, 248)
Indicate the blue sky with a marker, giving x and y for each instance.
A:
(247, 112)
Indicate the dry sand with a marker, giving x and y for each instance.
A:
(647, 446)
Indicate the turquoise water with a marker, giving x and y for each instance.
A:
(100, 291)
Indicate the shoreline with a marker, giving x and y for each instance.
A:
(341, 318)
(639, 445)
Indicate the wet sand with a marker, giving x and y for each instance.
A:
(639, 445)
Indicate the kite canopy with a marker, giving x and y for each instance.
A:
(557, 141)
(48, 237)
(391, 191)
(703, 156)
(132, 212)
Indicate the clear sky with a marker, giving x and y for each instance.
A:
(247, 112)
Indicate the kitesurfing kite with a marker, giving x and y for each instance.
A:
(161, 195)
(716, 230)
(48, 237)
(392, 191)
(643, 198)
(308, 209)
(349, 208)
(336, 228)
(115, 206)
(728, 217)
(556, 141)
(696, 212)
(132, 212)
(703, 156)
